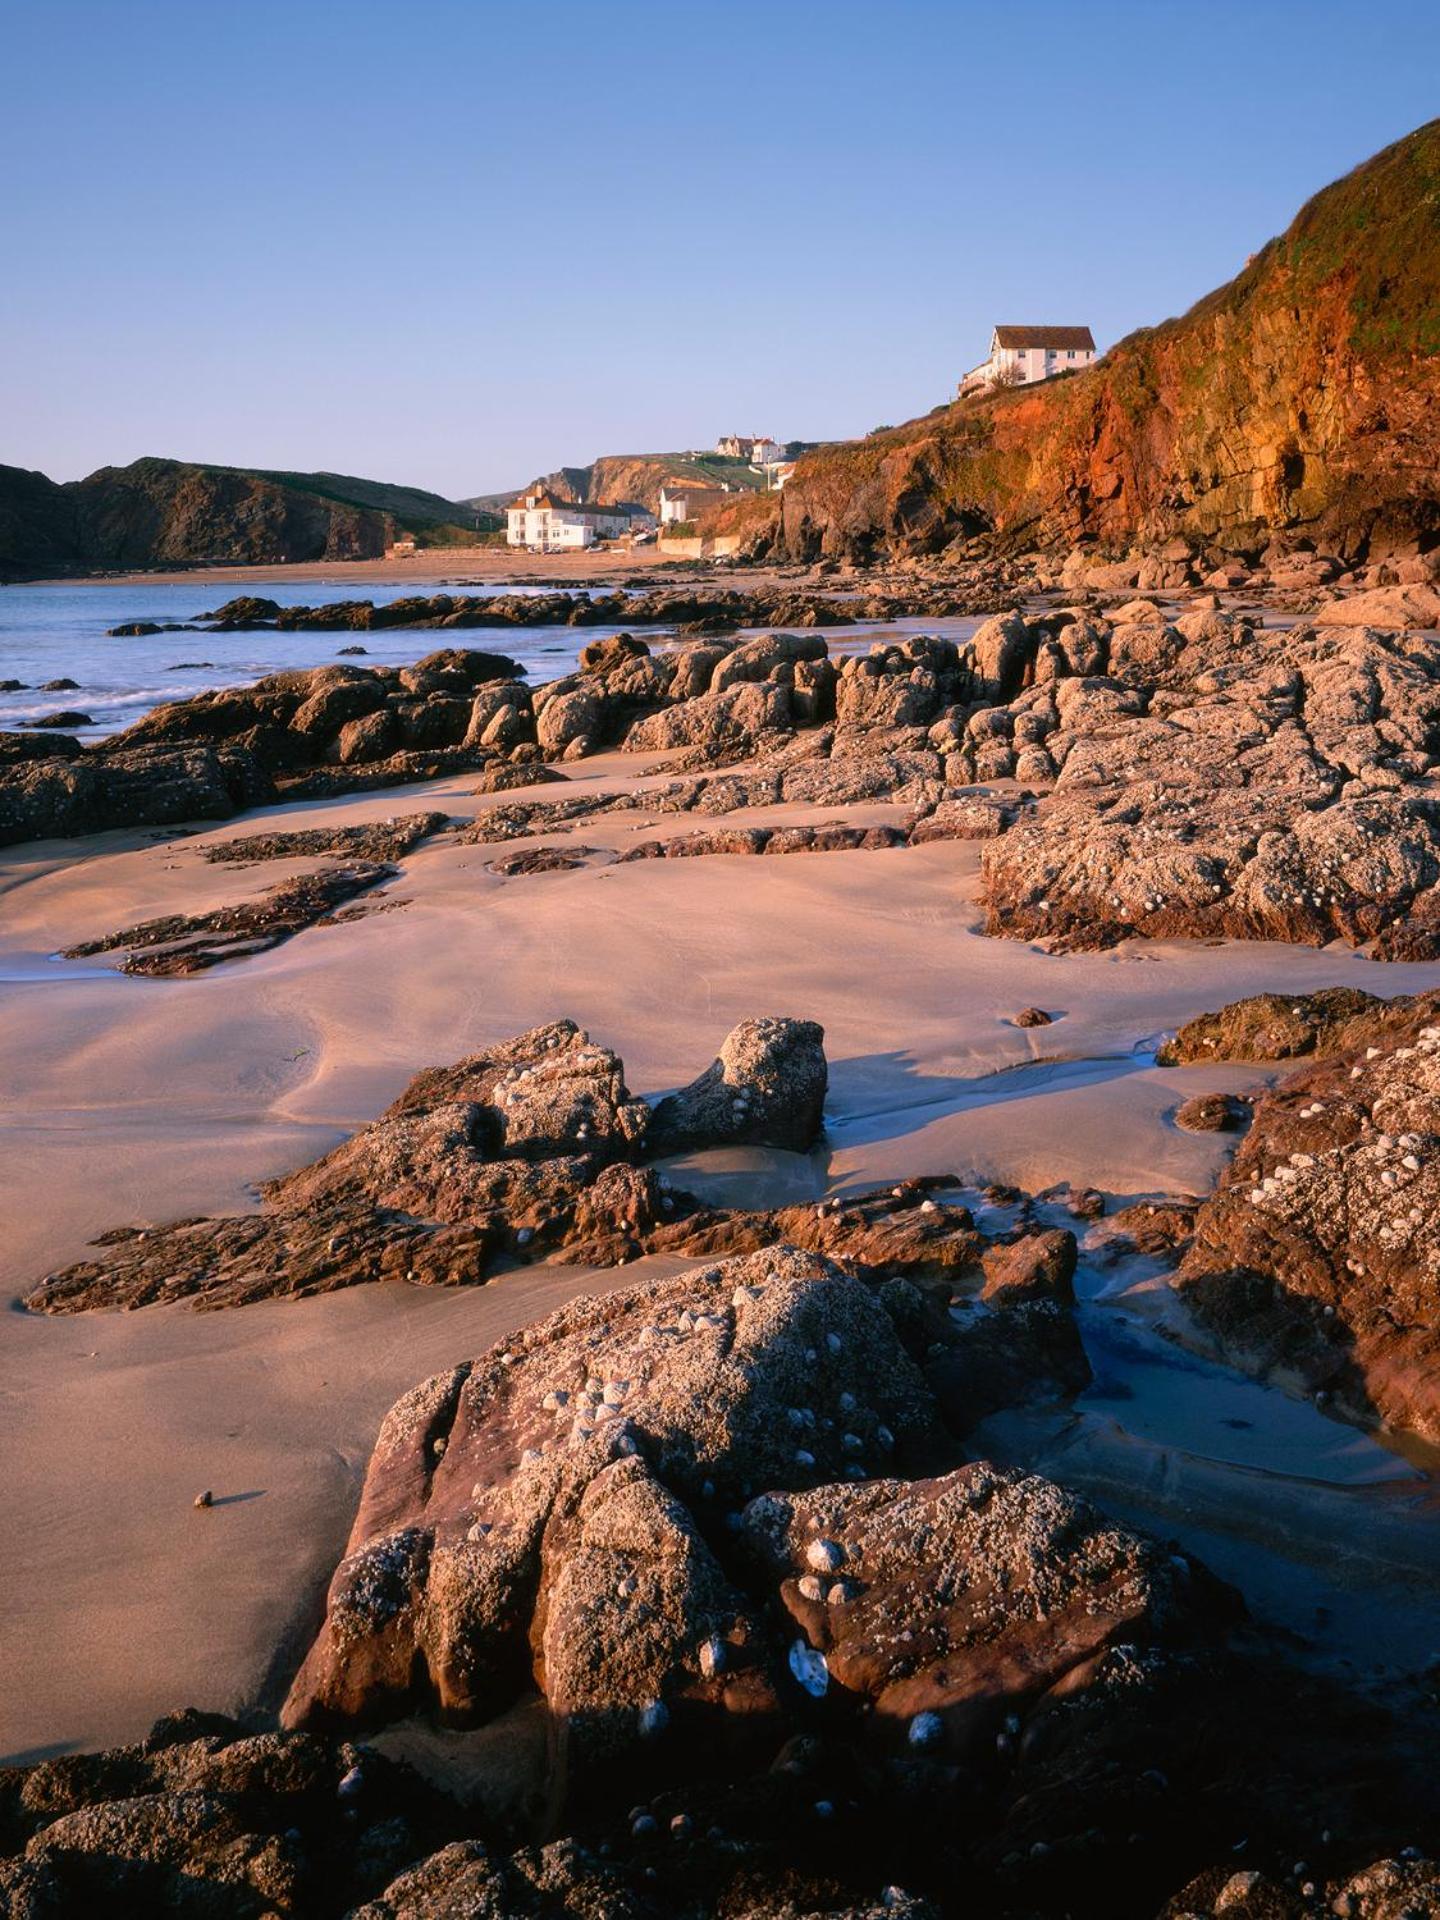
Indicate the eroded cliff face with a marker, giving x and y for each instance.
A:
(635, 478)
(1302, 398)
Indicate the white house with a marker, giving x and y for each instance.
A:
(681, 502)
(1019, 356)
(758, 448)
(541, 521)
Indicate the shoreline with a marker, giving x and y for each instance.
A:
(496, 564)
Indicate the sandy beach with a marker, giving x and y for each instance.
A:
(594, 567)
(130, 1100)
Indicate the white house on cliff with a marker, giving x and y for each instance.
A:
(1019, 356)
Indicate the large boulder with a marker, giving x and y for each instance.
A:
(66, 794)
(942, 1605)
(367, 739)
(500, 716)
(731, 720)
(575, 721)
(338, 694)
(768, 656)
(1384, 607)
(614, 650)
(765, 1088)
(504, 1496)
(1004, 647)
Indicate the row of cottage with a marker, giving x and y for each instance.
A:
(538, 519)
(1019, 357)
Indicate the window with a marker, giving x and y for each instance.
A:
(1071, 354)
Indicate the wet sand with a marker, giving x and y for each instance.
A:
(124, 1100)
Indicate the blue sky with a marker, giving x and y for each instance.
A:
(445, 244)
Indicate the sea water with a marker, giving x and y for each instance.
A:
(60, 632)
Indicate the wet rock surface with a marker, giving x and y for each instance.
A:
(1281, 1026)
(1018, 1590)
(184, 943)
(380, 840)
(1316, 1260)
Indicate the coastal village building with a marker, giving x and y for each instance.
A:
(679, 502)
(758, 448)
(540, 521)
(1019, 356)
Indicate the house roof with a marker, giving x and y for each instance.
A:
(546, 499)
(1045, 337)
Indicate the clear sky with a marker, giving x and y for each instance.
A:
(457, 244)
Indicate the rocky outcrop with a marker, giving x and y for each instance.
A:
(211, 1817)
(374, 840)
(71, 791)
(527, 1150)
(185, 943)
(1397, 608)
(718, 610)
(1282, 1026)
(833, 838)
(765, 1088)
(1316, 1261)
(530, 1513)
(1258, 785)
(324, 730)
(207, 1816)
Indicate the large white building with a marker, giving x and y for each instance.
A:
(540, 521)
(1019, 356)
